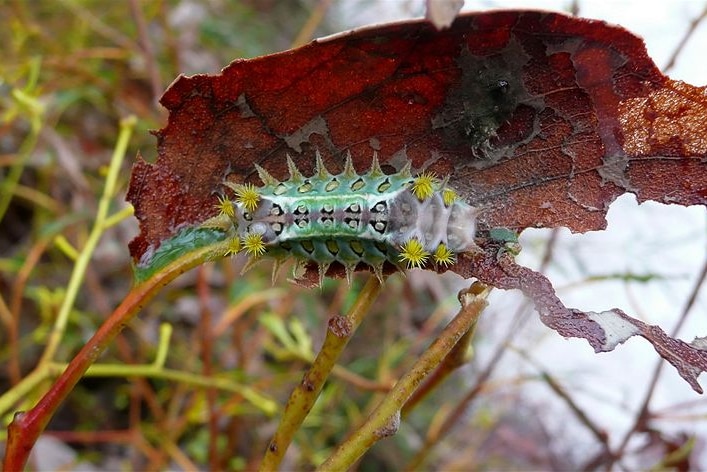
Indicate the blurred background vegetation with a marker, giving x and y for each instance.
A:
(70, 72)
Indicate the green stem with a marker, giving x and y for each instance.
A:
(116, 218)
(384, 420)
(77, 276)
(340, 331)
(455, 359)
(262, 402)
(163, 345)
(26, 100)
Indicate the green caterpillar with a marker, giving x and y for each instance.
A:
(351, 219)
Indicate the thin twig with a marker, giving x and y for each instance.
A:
(686, 37)
(5, 315)
(301, 401)
(315, 18)
(18, 295)
(458, 412)
(643, 415)
(384, 420)
(203, 291)
(77, 275)
(148, 51)
(99, 26)
(599, 433)
(234, 312)
(456, 358)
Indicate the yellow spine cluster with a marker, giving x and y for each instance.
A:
(234, 246)
(248, 196)
(253, 244)
(449, 196)
(444, 256)
(225, 207)
(413, 254)
(423, 187)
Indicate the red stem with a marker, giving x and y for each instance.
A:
(26, 427)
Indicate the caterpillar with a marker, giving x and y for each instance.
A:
(373, 218)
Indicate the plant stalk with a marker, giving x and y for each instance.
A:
(340, 331)
(385, 419)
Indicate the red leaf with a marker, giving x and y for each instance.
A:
(539, 119)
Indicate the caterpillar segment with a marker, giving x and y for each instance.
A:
(350, 219)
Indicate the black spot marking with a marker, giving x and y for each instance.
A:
(382, 247)
(379, 226)
(352, 222)
(379, 207)
(356, 247)
(332, 247)
(307, 246)
(301, 210)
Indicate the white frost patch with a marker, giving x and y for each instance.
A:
(616, 328)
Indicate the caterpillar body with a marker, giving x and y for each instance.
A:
(372, 218)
